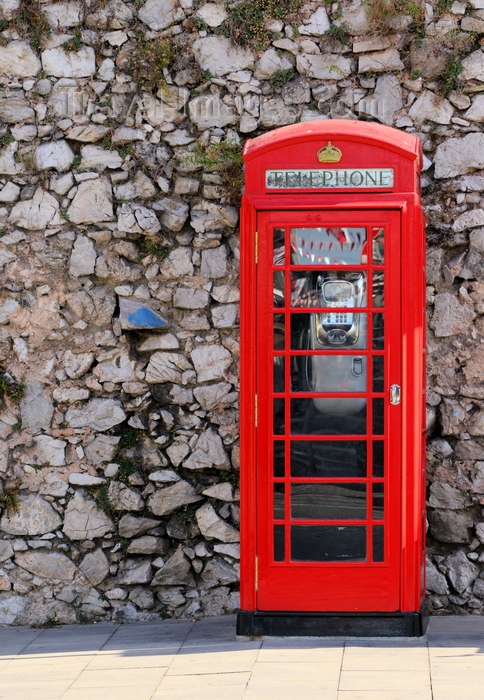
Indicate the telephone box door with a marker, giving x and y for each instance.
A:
(329, 416)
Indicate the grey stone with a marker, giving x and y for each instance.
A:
(36, 213)
(129, 526)
(76, 365)
(86, 480)
(225, 315)
(446, 496)
(95, 307)
(316, 25)
(116, 367)
(380, 61)
(220, 571)
(142, 598)
(190, 298)
(122, 497)
(69, 64)
(47, 450)
(174, 213)
(95, 566)
(450, 526)
(207, 452)
(177, 264)
(222, 492)
(475, 113)
(136, 315)
(214, 263)
(53, 485)
(450, 316)
(269, 63)
(64, 15)
(469, 219)
(213, 14)
(148, 545)
(273, 112)
(436, 581)
(431, 107)
(114, 14)
(135, 571)
(213, 527)
(469, 449)
(51, 566)
(211, 362)
(17, 58)
(219, 56)
(14, 108)
(101, 449)
(385, 102)
(208, 111)
(140, 187)
(459, 156)
(33, 517)
(10, 193)
(6, 551)
(86, 133)
(473, 66)
(92, 202)
(134, 218)
(166, 367)
(324, 66)
(84, 521)
(83, 257)
(54, 154)
(167, 500)
(460, 571)
(8, 160)
(175, 571)
(215, 397)
(98, 158)
(36, 408)
(158, 14)
(98, 414)
(207, 216)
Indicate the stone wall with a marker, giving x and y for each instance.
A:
(121, 125)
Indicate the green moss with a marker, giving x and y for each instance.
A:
(149, 59)
(279, 77)
(10, 387)
(246, 22)
(224, 158)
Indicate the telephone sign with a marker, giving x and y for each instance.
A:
(332, 382)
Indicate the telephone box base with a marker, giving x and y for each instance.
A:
(297, 624)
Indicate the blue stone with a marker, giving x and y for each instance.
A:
(146, 318)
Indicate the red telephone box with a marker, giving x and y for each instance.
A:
(332, 382)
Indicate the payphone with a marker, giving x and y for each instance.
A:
(332, 382)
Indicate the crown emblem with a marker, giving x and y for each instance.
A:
(329, 154)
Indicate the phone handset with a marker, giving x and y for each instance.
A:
(338, 326)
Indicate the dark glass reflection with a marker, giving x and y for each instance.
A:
(378, 373)
(279, 542)
(279, 247)
(279, 501)
(329, 373)
(328, 543)
(279, 331)
(328, 458)
(279, 453)
(320, 416)
(378, 458)
(279, 377)
(378, 543)
(378, 502)
(278, 416)
(378, 332)
(328, 501)
(378, 291)
(378, 235)
(378, 417)
(328, 246)
(339, 289)
(279, 292)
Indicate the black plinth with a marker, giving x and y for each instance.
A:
(297, 624)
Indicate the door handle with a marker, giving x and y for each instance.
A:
(395, 394)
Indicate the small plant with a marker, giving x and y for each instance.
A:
(9, 498)
(206, 76)
(123, 542)
(4, 24)
(17, 427)
(74, 43)
(101, 497)
(339, 32)
(63, 214)
(6, 138)
(77, 161)
(52, 621)
(13, 388)
(126, 150)
(186, 513)
(81, 617)
(149, 246)
(126, 467)
(107, 142)
(39, 467)
(224, 158)
(32, 22)
(279, 77)
(451, 75)
(246, 22)
(149, 59)
(444, 6)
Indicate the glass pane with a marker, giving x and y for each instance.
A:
(378, 543)
(378, 372)
(279, 289)
(328, 501)
(377, 501)
(278, 373)
(328, 543)
(318, 331)
(378, 245)
(328, 458)
(378, 330)
(320, 416)
(329, 373)
(279, 248)
(279, 542)
(378, 458)
(340, 289)
(378, 417)
(279, 453)
(279, 501)
(279, 331)
(278, 416)
(378, 289)
(328, 246)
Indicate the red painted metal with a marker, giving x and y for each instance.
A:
(397, 584)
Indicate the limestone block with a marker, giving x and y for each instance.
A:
(450, 316)
(36, 408)
(135, 571)
(214, 262)
(219, 56)
(15, 108)
(117, 367)
(211, 362)
(166, 367)
(84, 521)
(34, 517)
(208, 111)
(436, 581)
(134, 218)
(431, 107)
(17, 58)
(324, 66)
(101, 448)
(190, 298)
(122, 497)
(460, 571)
(174, 213)
(450, 526)
(446, 496)
(86, 480)
(62, 15)
(459, 156)
(175, 571)
(213, 14)
(208, 452)
(47, 450)
(50, 566)
(317, 24)
(69, 64)
(113, 14)
(213, 527)
(215, 397)
(220, 571)
(97, 158)
(167, 500)
(77, 364)
(177, 264)
(92, 202)
(140, 187)
(129, 526)
(135, 315)
(36, 213)
(159, 14)
(269, 63)
(83, 257)
(98, 414)
(95, 566)
(274, 113)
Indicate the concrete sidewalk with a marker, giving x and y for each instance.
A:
(185, 660)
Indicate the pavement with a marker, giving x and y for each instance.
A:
(203, 660)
